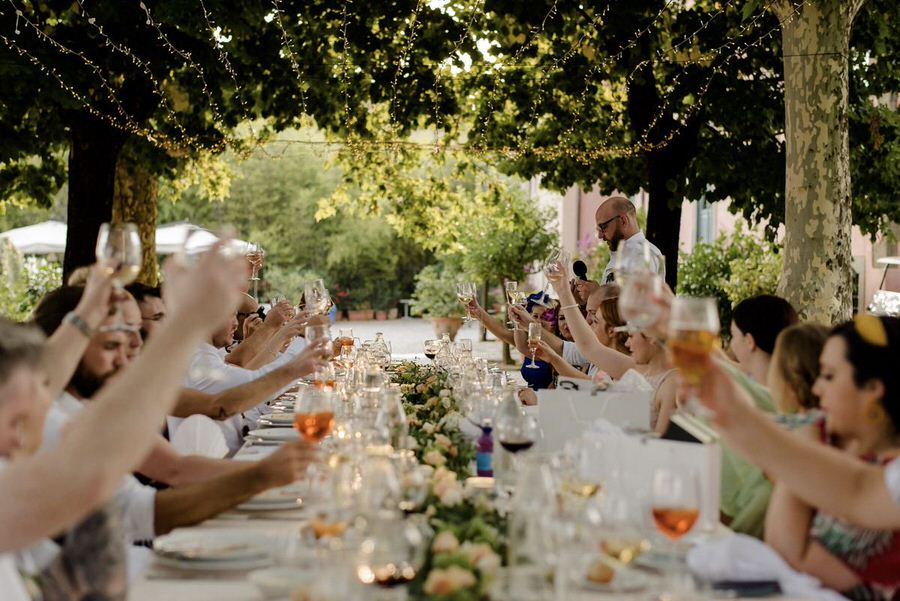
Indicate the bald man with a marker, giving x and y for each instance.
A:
(617, 225)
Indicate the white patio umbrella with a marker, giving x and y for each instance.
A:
(170, 238)
(44, 238)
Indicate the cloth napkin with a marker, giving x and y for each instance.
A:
(199, 435)
(742, 558)
(631, 381)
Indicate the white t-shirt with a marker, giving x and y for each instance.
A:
(634, 246)
(211, 374)
(892, 479)
(135, 499)
(12, 588)
(573, 357)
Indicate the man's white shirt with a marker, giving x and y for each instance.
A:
(211, 374)
(634, 246)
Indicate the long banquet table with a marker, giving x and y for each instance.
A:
(162, 583)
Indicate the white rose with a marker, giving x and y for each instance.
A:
(452, 496)
(434, 458)
(445, 582)
(443, 441)
(446, 402)
(445, 542)
(481, 556)
(428, 428)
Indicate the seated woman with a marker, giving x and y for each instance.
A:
(859, 391)
(792, 371)
(652, 363)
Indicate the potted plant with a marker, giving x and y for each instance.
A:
(435, 297)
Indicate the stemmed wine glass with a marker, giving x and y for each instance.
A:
(119, 250)
(255, 255)
(465, 292)
(391, 553)
(693, 330)
(534, 337)
(557, 261)
(512, 288)
(641, 286)
(314, 413)
(675, 504)
(316, 296)
(432, 347)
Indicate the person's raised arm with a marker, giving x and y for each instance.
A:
(45, 493)
(63, 350)
(822, 476)
(563, 368)
(523, 318)
(246, 396)
(251, 348)
(491, 323)
(609, 360)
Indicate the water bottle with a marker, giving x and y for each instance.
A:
(484, 456)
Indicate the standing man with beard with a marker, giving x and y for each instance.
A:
(617, 225)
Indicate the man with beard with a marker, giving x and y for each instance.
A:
(217, 484)
(617, 225)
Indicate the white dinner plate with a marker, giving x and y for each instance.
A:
(625, 581)
(282, 419)
(275, 434)
(213, 550)
(275, 582)
(279, 505)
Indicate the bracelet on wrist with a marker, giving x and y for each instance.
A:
(79, 324)
(572, 306)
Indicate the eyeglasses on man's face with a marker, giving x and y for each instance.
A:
(601, 227)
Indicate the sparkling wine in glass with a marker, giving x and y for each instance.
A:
(534, 337)
(641, 286)
(693, 331)
(314, 414)
(255, 255)
(465, 293)
(511, 287)
(119, 250)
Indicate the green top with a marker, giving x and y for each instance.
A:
(745, 489)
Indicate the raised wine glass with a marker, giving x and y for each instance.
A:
(693, 330)
(511, 287)
(119, 251)
(534, 337)
(465, 292)
(316, 296)
(255, 255)
(641, 286)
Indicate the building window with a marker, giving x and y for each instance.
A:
(706, 222)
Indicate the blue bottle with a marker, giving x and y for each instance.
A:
(484, 458)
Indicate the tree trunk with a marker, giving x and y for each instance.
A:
(817, 258)
(665, 165)
(135, 201)
(92, 167)
(664, 213)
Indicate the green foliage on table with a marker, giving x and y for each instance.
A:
(435, 292)
(731, 269)
(24, 281)
(470, 534)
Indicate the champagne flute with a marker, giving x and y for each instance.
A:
(314, 414)
(511, 287)
(316, 296)
(556, 263)
(675, 507)
(119, 251)
(693, 329)
(465, 292)
(534, 337)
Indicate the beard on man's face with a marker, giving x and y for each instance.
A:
(87, 383)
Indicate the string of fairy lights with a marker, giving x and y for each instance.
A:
(729, 49)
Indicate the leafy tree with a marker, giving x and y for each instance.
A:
(731, 269)
(166, 80)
